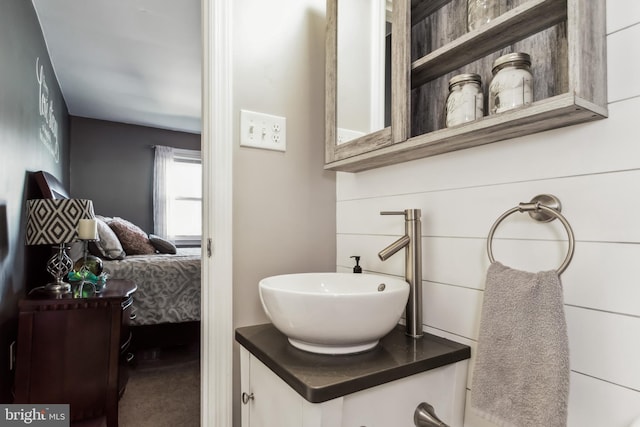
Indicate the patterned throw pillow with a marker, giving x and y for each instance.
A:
(108, 247)
(134, 241)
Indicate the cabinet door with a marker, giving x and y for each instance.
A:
(367, 77)
(394, 403)
(68, 353)
(274, 403)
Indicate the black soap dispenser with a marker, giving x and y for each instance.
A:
(357, 268)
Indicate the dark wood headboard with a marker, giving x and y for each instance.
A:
(50, 187)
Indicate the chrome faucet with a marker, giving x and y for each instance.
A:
(412, 242)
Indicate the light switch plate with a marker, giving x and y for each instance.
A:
(261, 130)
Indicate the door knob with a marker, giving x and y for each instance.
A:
(246, 397)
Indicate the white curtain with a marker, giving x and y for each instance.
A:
(161, 200)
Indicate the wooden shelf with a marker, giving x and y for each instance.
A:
(508, 28)
(551, 113)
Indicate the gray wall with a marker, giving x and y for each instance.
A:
(112, 164)
(22, 132)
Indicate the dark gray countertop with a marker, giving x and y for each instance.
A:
(319, 378)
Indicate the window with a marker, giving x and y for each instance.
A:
(178, 195)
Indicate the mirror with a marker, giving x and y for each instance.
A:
(363, 68)
(367, 76)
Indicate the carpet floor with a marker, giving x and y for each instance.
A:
(162, 393)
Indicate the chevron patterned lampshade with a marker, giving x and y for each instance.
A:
(55, 221)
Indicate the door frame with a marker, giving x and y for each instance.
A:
(216, 399)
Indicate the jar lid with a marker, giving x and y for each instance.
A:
(462, 78)
(511, 58)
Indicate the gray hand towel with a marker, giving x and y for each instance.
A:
(521, 374)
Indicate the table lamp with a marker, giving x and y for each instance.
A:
(55, 222)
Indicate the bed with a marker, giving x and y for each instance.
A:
(167, 301)
(168, 285)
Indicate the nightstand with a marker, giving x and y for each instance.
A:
(75, 350)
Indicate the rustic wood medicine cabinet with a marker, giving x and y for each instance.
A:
(430, 44)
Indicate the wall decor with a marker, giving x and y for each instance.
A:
(48, 124)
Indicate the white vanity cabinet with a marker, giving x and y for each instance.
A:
(275, 404)
(271, 401)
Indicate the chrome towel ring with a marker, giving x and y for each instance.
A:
(543, 208)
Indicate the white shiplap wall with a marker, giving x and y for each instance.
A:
(595, 171)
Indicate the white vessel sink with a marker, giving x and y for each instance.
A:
(334, 313)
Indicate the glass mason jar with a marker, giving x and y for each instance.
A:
(481, 12)
(465, 101)
(512, 83)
